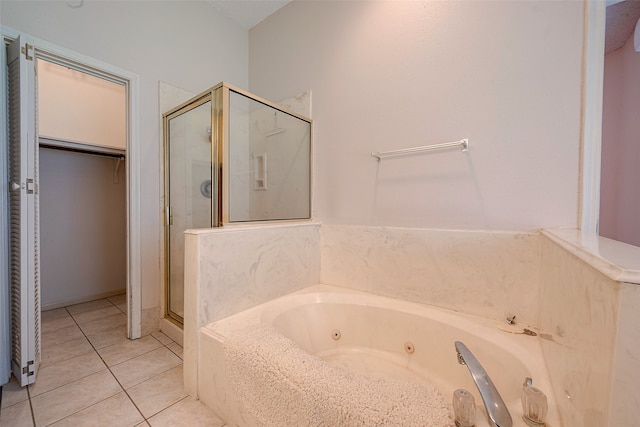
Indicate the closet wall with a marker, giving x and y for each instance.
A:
(82, 195)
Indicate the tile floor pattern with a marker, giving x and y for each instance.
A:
(92, 375)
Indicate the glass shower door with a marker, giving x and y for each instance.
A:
(188, 174)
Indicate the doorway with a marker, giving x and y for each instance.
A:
(26, 294)
(82, 149)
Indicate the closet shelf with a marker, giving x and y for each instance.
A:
(78, 147)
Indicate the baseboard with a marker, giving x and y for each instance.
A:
(93, 297)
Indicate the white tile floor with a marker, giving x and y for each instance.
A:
(91, 375)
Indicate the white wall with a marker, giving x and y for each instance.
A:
(78, 107)
(619, 197)
(82, 227)
(187, 44)
(389, 75)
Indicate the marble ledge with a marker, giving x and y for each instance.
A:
(249, 226)
(618, 261)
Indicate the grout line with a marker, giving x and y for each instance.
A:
(164, 409)
(131, 399)
(111, 372)
(70, 382)
(80, 410)
(33, 415)
(146, 420)
(118, 381)
(105, 365)
(168, 348)
(116, 306)
(131, 358)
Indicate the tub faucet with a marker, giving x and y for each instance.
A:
(497, 411)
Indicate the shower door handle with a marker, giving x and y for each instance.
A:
(169, 216)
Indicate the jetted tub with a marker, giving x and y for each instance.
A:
(384, 338)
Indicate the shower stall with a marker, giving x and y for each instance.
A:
(229, 157)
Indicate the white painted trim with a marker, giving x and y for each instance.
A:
(132, 80)
(134, 244)
(593, 80)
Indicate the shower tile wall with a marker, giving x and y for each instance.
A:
(285, 193)
(489, 274)
(287, 154)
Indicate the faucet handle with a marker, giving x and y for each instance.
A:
(534, 404)
(464, 408)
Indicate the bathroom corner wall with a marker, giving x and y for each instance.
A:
(230, 269)
(489, 274)
(578, 321)
(390, 75)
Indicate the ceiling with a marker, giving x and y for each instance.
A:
(621, 16)
(247, 13)
(621, 21)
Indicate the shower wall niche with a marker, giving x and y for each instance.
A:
(229, 157)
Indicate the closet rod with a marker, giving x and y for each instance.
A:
(79, 148)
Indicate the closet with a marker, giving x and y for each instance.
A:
(82, 155)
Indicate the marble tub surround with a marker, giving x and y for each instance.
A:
(230, 269)
(577, 327)
(590, 334)
(619, 261)
(488, 274)
(582, 301)
(625, 388)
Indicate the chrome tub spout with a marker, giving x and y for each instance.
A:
(497, 411)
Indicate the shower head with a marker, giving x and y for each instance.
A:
(275, 129)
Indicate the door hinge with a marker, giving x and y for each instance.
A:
(28, 369)
(25, 49)
(30, 186)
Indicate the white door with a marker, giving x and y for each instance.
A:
(23, 206)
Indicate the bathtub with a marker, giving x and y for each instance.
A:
(380, 337)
